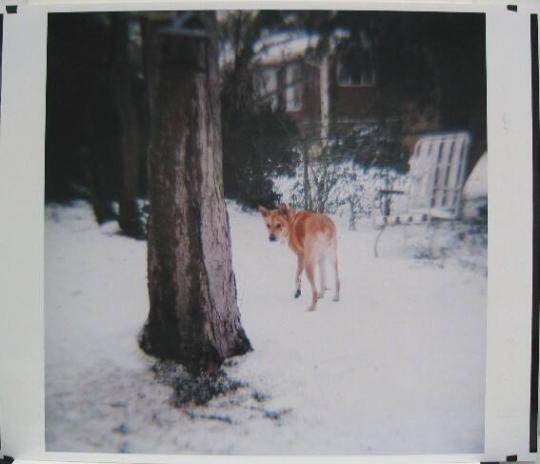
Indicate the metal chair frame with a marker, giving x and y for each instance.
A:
(436, 178)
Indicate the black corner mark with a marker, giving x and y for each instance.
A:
(6, 459)
(11, 9)
(512, 8)
(535, 99)
(511, 458)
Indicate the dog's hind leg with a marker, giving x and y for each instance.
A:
(299, 269)
(334, 262)
(310, 272)
(322, 277)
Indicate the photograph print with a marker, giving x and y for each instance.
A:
(1, 44)
(265, 232)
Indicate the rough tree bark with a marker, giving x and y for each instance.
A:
(100, 176)
(308, 201)
(100, 139)
(194, 317)
(150, 64)
(129, 218)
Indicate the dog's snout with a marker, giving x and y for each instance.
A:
(272, 238)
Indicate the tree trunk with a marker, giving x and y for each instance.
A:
(129, 214)
(194, 318)
(150, 65)
(308, 202)
(101, 144)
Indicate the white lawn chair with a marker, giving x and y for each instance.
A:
(435, 184)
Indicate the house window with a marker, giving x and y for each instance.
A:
(293, 87)
(266, 81)
(356, 68)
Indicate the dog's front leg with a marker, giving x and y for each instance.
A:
(299, 269)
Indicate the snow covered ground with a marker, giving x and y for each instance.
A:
(396, 367)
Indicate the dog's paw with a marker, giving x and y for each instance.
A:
(320, 295)
(336, 298)
(297, 293)
(311, 308)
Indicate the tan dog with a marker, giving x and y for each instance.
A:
(312, 236)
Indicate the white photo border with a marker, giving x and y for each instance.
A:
(22, 145)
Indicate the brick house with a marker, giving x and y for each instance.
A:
(329, 94)
(333, 94)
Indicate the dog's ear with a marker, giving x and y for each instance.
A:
(263, 210)
(285, 210)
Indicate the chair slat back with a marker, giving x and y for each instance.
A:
(437, 172)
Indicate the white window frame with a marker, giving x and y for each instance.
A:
(266, 85)
(293, 87)
(349, 82)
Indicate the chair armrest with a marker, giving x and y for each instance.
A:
(383, 200)
(391, 192)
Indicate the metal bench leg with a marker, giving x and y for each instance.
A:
(375, 251)
(433, 229)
